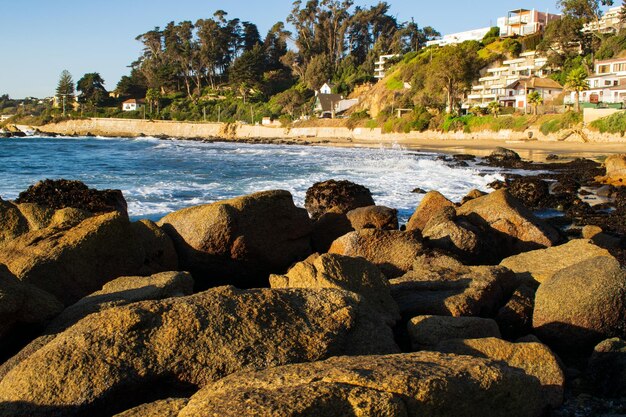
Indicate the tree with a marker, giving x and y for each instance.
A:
(587, 10)
(153, 97)
(318, 72)
(251, 36)
(92, 90)
(622, 13)
(535, 100)
(65, 89)
(248, 68)
(494, 108)
(577, 82)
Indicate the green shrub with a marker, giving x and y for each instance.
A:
(615, 123)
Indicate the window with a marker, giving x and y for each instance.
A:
(608, 83)
(619, 67)
(603, 69)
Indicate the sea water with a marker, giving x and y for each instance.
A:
(160, 176)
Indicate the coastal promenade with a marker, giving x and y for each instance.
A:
(530, 144)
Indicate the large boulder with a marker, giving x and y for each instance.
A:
(392, 251)
(442, 286)
(426, 332)
(615, 170)
(515, 319)
(582, 305)
(58, 194)
(12, 222)
(534, 358)
(503, 157)
(414, 384)
(156, 245)
(540, 265)
(169, 407)
(532, 192)
(342, 195)
(445, 230)
(113, 360)
(512, 226)
(607, 368)
(73, 262)
(240, 241)
(432, 203)
(329, 227)
(342, 272)
(373, 217)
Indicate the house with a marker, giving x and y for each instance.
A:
(610, 22)
(379, 66)
(524, 22)
(607, 86)
(133, 104)
(495, 82)
(460, 37)
(326, 88)
(331, 105)
(518, 91)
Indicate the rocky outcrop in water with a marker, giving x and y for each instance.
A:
(341, 195)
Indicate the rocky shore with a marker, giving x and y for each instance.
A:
(254, 306)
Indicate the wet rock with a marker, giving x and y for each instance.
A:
(432, 203)
(473, 194)
(442, 286)
(503, 157)
(394, 252)
(582, 305)
(58, 194)
(419, 191)
(511, 225)
(373, 217)
(103, 364)
(426, 332)
(497, 185)
(552, 157)
(532, 192)
(534, 358)
(73, 262)
(240, 241)
(541, 265)
(515, 319)
(342, 272)
(415, 384)
(607, 368)
(344, 195)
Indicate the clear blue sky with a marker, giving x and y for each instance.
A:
(40, 38)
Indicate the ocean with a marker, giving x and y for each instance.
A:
(160, 176)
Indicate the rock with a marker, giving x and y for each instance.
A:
(503, 156)
(343, 195)
(432, 203)
(373, 217)
(68, 217)
(58, 194)
(443, 286)
(158, 248)
(615, 170)
(73, 262)
(534, 359)
(511, 224)
(473, 194)
(515, 319)
(23, 304)
(392, 251)
(103, 364)
(582, 305)
(426, 332)
(342, 272)
(607, 368)
(240, 241)
(541, 265)
(162, 408)
(532, 192)
(419, 191)
(445, 231)
(552, 157)
(38, 217)
(329, 227)
(12, 222)
(414, 384)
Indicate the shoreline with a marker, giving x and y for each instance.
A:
(596, 147)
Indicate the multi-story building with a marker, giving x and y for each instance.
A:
(524, 22)
(607, 86)
(501, 83)
(460, 37)
(610, 22)
(379, 66)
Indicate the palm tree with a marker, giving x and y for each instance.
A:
(535, 100)
(577, 82)
(494, 108)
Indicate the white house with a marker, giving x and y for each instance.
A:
(518, 91)
(133, 104)
(460, 37)
(610, 22)
(326, 89)
(524, 22)
(606, 86)
(379, 66)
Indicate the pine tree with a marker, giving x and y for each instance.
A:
(65, 89)
(622, 13)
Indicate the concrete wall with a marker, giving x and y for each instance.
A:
(591, 115)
